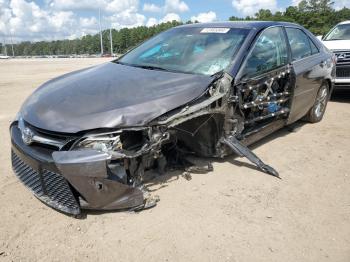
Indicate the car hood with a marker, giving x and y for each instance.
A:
(110, 95)
(337, 44)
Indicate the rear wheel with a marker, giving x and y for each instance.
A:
(318, 109)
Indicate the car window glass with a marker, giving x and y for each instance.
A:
(190, 50)
(340, 32)
(314, 49)
(299, 43)
(269, 52)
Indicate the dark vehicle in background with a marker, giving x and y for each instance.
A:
(87, 139)
(338, 41)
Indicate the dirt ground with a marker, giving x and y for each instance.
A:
(232, 214)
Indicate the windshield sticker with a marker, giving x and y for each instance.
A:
(217, 30)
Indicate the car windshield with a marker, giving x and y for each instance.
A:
(340, 32)
(189, 50)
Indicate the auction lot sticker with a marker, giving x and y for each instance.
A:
(215, 30)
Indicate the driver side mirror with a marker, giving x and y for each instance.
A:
(320, 37)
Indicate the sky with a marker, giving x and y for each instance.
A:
(25, 20)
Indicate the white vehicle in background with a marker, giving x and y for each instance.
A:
(4, 56)
(338, 41)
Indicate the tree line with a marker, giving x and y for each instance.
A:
(318, 16)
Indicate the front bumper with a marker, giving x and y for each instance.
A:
(342, 80)
(342, 83)
(71, 180)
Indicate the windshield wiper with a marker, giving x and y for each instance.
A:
(118, 62)
(149, 67)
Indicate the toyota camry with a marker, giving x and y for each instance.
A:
(87, 139)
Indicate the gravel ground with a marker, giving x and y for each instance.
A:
(234, 213)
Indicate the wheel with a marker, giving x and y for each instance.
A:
(317, 111)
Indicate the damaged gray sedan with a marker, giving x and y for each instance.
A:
(85, 140)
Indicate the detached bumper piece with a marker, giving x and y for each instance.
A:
(47, 186)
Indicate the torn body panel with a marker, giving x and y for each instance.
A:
(239, 110)
(235, 112)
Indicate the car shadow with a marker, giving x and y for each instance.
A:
(341, 96)
(292, 128)
(234, 159)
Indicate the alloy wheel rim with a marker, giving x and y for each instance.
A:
(321, 102)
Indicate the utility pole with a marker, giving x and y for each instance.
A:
(5, 48)
(99, 15)
(13, 52)
(111, 40)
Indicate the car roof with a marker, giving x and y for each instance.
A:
(241, 24)
(344, 22)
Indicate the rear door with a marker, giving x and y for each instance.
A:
(309, 68)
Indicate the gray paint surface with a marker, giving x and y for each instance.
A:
(109, 96)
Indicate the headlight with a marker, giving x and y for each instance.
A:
(103, 143)
(123, 143)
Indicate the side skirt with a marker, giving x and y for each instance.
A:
(244, 151)
(263, 131)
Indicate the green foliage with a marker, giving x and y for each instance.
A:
(123, 40)
(318, 16)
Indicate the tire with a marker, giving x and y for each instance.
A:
(317, 111)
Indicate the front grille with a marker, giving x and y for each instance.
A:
(343, 58)
(343, 72)
(47, 139)
(27, 175)
(58, 190)
(49, 187)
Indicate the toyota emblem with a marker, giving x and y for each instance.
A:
(27, 136)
